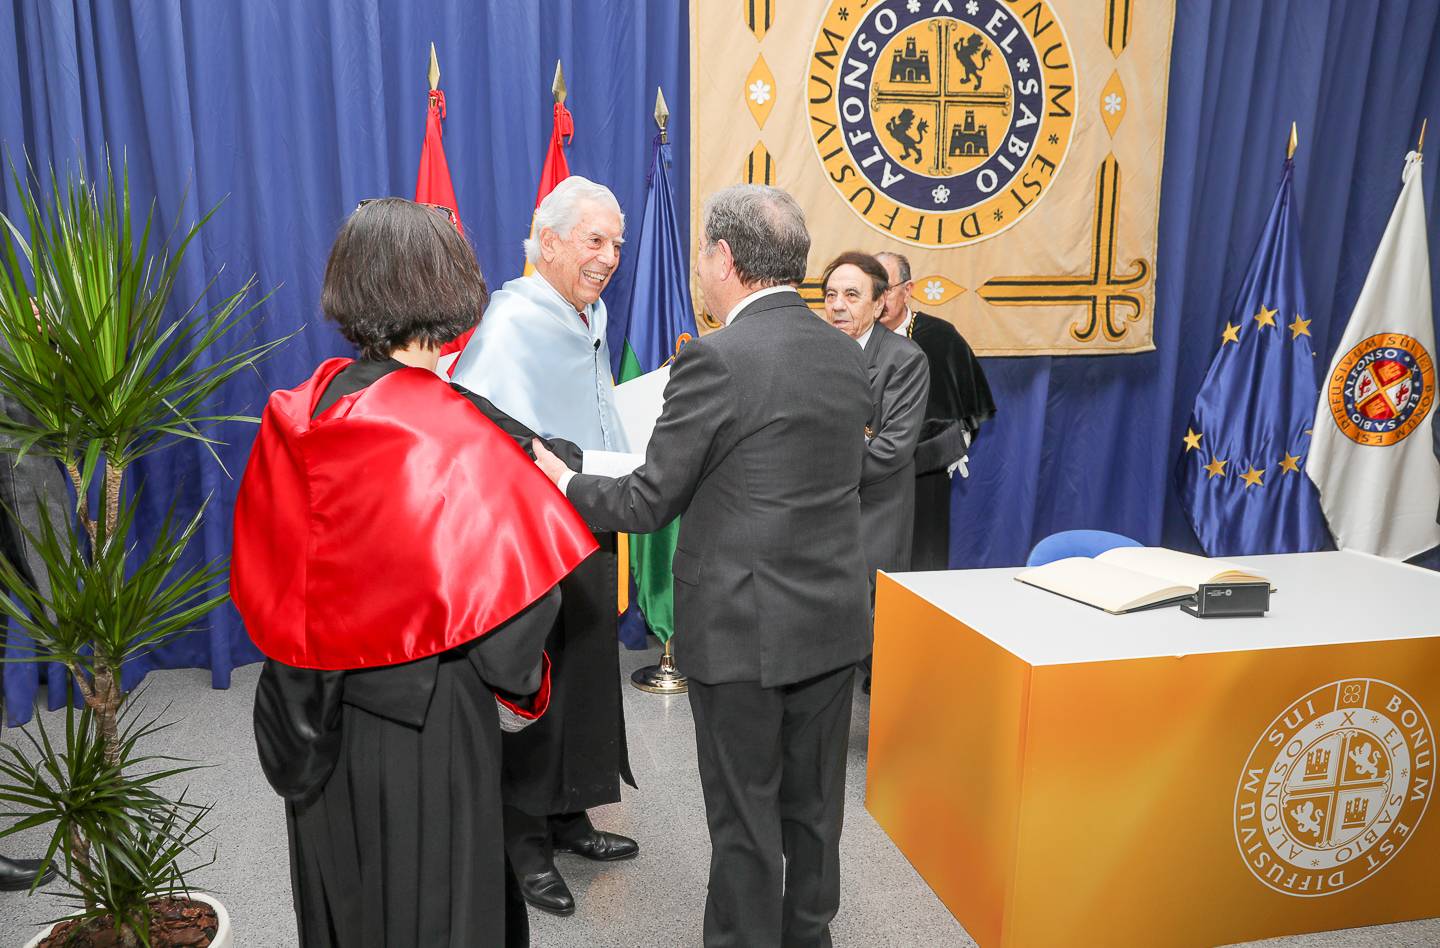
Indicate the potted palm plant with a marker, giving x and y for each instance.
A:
(110, 368)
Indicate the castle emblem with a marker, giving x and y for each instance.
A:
(1382, 389)
(941, 123)
(910, 65)
(968, 141)
(1334, 787)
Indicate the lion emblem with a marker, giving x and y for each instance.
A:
(899, 129)
(1307, 818)
(965, 51)
(1366, 760)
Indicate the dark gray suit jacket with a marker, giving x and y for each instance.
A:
(760, 446)
(899, 383)
(26, 486)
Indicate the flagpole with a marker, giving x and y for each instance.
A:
(662, 117)
(662, 679)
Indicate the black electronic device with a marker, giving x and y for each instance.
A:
(1229, 600)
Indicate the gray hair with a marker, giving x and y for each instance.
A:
(902, 264)
(561, 209)
(765, 229)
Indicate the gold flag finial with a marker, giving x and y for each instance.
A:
(434, 69)
(662, 112)
(558, 86)
(1421, 146)
(1294, 141)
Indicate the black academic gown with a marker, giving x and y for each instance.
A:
(959, 402)
(574, 757)
(392, 782)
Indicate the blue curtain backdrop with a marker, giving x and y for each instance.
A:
(293, 111)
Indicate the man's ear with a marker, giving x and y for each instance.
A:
(722, 247)
(549, 243)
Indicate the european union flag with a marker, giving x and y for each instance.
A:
(1242, 466)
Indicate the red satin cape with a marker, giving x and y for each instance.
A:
(396, 525)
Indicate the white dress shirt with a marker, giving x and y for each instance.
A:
(768, 291)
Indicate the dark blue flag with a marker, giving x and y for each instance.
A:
(1242, 464)
(660, 315)
(660, 320)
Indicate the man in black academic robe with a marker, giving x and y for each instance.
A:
(959, 401)
(540, 356)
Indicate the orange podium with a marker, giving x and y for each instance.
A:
(1062, 776)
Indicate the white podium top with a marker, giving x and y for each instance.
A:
(1321, 599)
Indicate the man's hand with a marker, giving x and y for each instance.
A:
(553, 467)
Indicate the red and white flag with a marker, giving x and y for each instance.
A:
(556, 168)
(433, 186)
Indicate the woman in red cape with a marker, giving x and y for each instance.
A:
(396, 555)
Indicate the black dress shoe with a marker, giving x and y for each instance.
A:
(599, 846)
(548, 892)
(17, 874)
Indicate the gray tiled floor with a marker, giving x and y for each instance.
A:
(655, 900)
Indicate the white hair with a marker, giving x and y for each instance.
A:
(560, 211)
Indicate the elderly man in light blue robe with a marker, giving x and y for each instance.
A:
(539, 355)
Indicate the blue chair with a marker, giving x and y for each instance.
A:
(1057, 546)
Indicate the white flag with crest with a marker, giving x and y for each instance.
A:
(1372, 456)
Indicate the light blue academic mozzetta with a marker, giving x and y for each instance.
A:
(524, 357)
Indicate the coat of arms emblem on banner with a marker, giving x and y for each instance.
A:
(1011, 149)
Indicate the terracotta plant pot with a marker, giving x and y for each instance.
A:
(224, 937)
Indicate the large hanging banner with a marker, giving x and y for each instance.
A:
(1011, 149)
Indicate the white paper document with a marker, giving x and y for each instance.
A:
(609, 463)
(638, 403)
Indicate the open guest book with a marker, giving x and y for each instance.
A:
(1135, 577)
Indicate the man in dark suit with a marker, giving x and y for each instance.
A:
(26, 485)
(760, 446)
(855, 285)
(958, 402)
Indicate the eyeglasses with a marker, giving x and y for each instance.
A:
(449, 212)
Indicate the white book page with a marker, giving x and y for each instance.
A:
(1110, 587)
(638, 402)
(610, 463)
(1172, 565)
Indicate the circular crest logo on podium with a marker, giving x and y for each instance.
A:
(941, 122)
(1334, 788)
(1382, 389)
